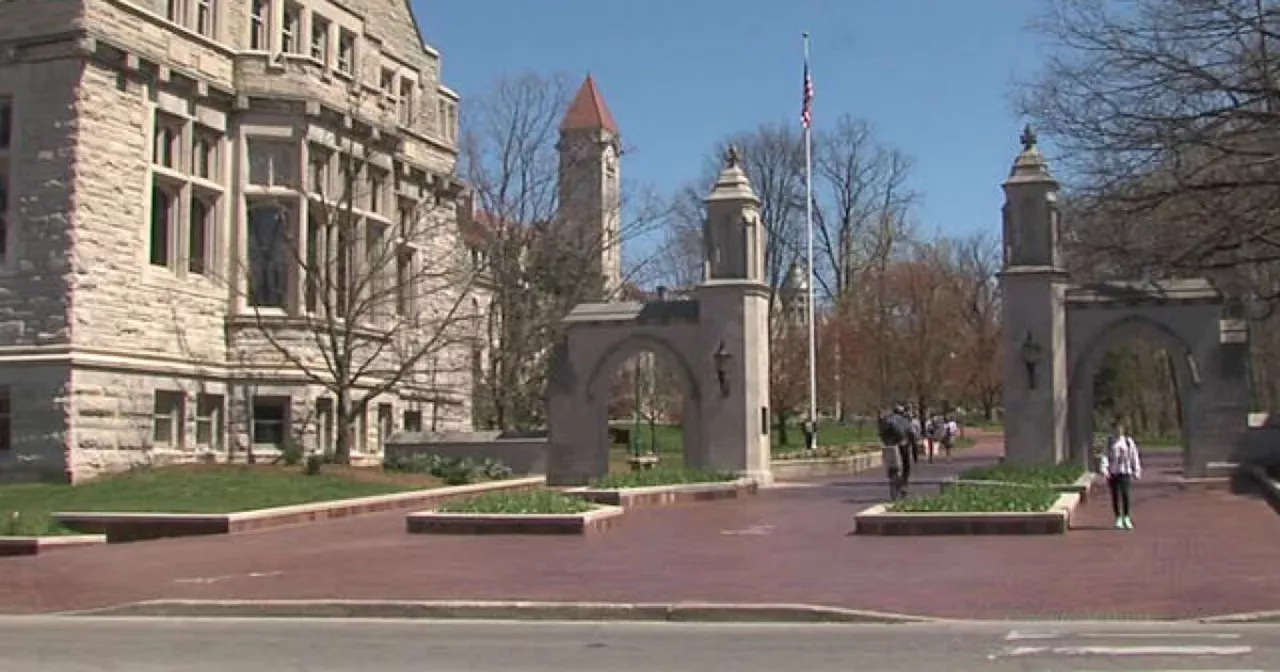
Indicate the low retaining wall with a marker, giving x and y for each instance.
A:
(435, 522)
(123, 527)
(659, 495)
(12, 546)
(799, 470)
(524, 453)
(878, 520)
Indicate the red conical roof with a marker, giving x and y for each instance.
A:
(588, 111)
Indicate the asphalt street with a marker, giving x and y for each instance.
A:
(90, 644)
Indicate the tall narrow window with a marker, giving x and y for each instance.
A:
(388, 81)
(205, 17)
(204, 155)
(319, 39)
(209, 421)
(406, 102)
(198, 236)
(318, 180)
(162, 209)
(4, 210)
(377, 262)
(315, 262)
(290, 32)
(377, 190)
(6, 123)
(259, 21)
(404, 282)
(346, 51)
(268, 256)
(342, 283)
(6, 432)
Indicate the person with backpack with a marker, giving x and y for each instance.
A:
(895, 451)
(950, 430)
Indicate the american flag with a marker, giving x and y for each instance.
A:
(806, 112)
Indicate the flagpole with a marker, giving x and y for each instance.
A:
(808, 216)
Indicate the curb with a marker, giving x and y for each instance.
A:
(1259, 617)
(704, 612)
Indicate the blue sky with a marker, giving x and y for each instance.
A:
(933, 77)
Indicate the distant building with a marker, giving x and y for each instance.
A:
(142, 143)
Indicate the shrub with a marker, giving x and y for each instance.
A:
(314, 464)
(981, 499)
(291, 453)
(19, 524)
(533, 502)
(1058, 474)
(656, 477)
(451, 470)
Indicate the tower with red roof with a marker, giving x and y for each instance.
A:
(590, 184)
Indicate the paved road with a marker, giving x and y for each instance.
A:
(53, 644)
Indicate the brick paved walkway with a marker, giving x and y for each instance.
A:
(1194, 553)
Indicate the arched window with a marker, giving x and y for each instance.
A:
(268, 256)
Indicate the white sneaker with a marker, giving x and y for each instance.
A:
(1128, 523)
(1119, 522)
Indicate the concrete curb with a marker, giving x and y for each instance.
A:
(704, 612)
(1244, 617)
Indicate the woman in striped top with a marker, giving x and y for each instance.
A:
(1121, 465)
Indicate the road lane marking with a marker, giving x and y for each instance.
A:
(1160, 635)
(1184, 650)
(1016, 635)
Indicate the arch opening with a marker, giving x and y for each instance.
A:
(647, 403)
(1138, 372)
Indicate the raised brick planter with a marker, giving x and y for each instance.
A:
(799, 470)
(877, 520)
(1082, 485)
(435, 522)
(11, 546)
(124, 527)
(667, 494)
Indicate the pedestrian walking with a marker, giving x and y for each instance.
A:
(914, 435)
(950, 430)
(893, 441)
(1121, 465)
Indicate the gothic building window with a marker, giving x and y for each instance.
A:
(268, 256)
(346, 51)
(291, 31)
(259, 23)
(205, 20)
(6, 123)
(186, 193)
(273, 163)
(320, 39)
(315, 262)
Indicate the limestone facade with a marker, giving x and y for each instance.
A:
(153, 156)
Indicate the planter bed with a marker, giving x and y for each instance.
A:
(878, 520)
(124, 527)
(598, 520)
(799, 470)
(11, 546)
(659, 495)
(1082, 485)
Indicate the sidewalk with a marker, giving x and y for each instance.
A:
(1194, 553)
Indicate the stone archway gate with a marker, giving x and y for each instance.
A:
(1207, 353)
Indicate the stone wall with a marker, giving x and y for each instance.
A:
(39, 411)
(525, 455)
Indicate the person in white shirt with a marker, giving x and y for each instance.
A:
(1121, 465)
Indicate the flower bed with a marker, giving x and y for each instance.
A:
(974, 509)
(538, 511)
(664, 486)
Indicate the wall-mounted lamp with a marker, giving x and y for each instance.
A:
(722, 358)
(1031, 352)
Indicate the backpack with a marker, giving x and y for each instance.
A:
(890, 431)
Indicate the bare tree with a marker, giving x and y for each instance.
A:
(976, 330)
(541, 262)
(360, 293)
(1165, 113)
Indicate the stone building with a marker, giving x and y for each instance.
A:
(147, 148)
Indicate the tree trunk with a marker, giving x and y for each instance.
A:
(342, 447)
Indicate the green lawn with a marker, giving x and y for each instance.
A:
(25, 508)
(981, 499)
